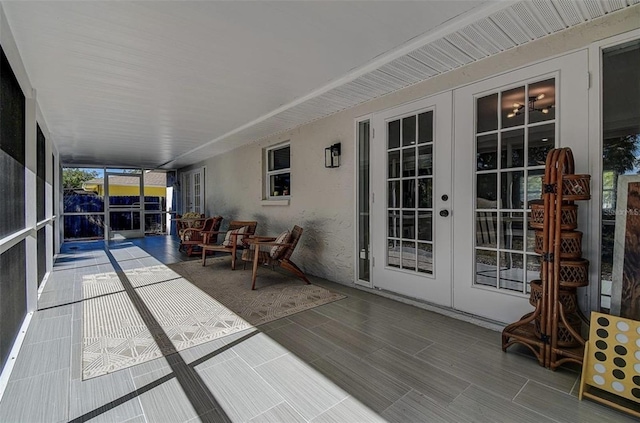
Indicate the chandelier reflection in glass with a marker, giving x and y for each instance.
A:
(518, 108)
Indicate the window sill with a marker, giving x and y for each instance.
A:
(283, 202)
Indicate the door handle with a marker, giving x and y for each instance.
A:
(444, 213)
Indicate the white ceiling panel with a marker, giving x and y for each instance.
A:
(167, 83)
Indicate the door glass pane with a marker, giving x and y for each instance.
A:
(363, 200)
(486, 268)
(409, 255)
(541, 139)
(409, 225)
(425, 193)
(511, 271)
(513, 107)
(533, 267)
(196, 193)
(531, 235)
(487, 152)
(393, 253)
(394, 194)
(394, 224)
(425, 160)
(486, 229)
(542, 101)
(188, 194)
(394, 164)
(534, 185)
(409, 193)
(512, 154)
(394, 134)
(408, 131)
(512, 190)
(487, 113)
(513, 225)
(425, 127)
(425, 258)
(487, 190)
(408, 162)
(425, 226)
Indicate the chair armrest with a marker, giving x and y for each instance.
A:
(214, 232)
(254, 238)
(273, 244)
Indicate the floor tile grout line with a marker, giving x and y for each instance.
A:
(222, 349)
(524, 406)
(198, 394)
(136, 393)
(333, 406)
(520, 390)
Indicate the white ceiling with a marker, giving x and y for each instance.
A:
(170, 83)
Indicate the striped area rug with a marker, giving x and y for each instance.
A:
(192, 304)
(115, 336)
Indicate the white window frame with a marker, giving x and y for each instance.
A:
(269, 173)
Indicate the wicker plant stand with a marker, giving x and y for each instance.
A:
(553, 331)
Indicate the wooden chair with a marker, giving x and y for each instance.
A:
(193, 237)
(230, 244)
(279, 254)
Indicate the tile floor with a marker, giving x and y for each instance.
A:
(365, 358)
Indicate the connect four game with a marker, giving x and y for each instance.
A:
(612, 362)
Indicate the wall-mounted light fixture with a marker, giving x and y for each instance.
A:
(332, 155)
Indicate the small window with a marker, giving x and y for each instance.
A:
(278, 171)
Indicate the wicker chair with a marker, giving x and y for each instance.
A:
(193, 237)
(230, 245)
(279, 254)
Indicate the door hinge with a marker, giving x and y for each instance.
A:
(373, 197)
(373, 261)
(588, 80)
(373, 133)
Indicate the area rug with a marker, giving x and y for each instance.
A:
(277, 294)
(115, 335)
(191, 303)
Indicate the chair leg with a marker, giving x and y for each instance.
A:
(291, 267)
(204, 256)
(255, 267)
(233, 256)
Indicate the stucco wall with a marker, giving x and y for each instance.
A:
(323, 200)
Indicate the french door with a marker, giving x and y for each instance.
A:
(193, 189)
(411, 202)
(504, 127)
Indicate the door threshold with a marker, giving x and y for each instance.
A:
(446, 311)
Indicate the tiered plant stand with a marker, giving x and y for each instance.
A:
(553, 330)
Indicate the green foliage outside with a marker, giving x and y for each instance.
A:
(73, 177)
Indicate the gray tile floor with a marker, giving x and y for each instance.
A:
(361, 359)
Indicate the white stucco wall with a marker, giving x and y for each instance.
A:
(323, 200)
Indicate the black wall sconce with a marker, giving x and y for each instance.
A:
(332, 155)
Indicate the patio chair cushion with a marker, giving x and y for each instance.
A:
(228, 239)
(277, 250)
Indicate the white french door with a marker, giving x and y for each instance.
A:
(411, 187)
(504, 126)
(193, 191)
